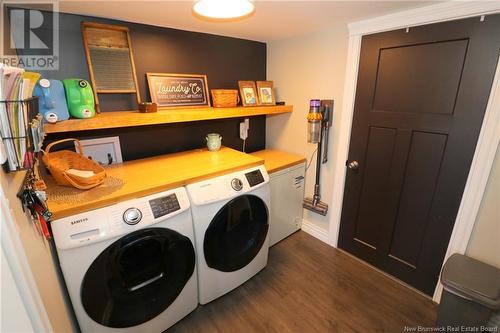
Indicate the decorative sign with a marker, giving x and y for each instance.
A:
(178, 90)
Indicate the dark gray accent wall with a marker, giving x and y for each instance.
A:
(147, 141)
(224, 60)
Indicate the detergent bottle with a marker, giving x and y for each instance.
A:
(80, 98)
(51, 100)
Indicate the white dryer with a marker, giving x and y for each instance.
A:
(130, 266)
(231, 224)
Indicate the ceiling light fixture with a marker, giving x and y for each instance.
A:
(223, 9)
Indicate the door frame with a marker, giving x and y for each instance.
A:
(17, 263)
(489, 136)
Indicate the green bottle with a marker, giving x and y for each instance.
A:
(80, 98)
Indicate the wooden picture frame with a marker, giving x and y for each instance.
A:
(178, 90)
(266, 93)
(248, 93)
(105, 43)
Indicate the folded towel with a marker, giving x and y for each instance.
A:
(81, 173)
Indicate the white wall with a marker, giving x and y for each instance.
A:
(39, 256)
(303, 68)
(13, 315)
(484, 243)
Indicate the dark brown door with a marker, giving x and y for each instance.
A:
(420, 101)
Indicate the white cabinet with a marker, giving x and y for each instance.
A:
(287, 193)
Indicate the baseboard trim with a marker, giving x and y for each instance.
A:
(315, 231)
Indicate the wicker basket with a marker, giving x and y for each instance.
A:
(60, 161)
(225, 98)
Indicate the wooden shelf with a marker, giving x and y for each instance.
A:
(163, 116)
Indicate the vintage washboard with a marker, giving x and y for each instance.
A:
(110, 60)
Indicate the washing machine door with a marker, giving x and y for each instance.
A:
(137, 277)
(236, 234)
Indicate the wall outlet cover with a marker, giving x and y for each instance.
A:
(243, 131)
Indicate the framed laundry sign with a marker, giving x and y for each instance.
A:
(178, 90)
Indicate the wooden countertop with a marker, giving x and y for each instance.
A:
(156, 174)
(276, 160)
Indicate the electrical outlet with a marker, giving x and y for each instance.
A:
(105, 151)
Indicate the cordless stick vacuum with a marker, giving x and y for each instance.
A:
(319, 123)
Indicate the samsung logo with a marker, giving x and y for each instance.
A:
(79, 221)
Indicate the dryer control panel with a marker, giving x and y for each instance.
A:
(227, 186)
(254, 178)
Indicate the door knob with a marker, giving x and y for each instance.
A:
(353, 165)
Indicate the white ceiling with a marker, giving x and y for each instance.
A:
(272, 19)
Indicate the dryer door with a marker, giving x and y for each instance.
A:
(137, 277)
(236, 233)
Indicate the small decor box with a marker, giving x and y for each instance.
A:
(225, 98)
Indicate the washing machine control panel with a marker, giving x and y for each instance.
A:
(132, 216)
(164, 205)
(121, 219)
(254, 178)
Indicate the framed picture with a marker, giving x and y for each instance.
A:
(266, 93)
(178, 90)
(248, 93)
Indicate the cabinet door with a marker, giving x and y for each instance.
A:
(287, 193)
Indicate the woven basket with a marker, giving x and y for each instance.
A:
(60, 161)
(225, 98)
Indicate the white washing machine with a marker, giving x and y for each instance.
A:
(130, 267)
(231, 224)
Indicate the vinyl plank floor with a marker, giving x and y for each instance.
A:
(309, 286)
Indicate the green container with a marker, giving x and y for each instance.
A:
(80, 98)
